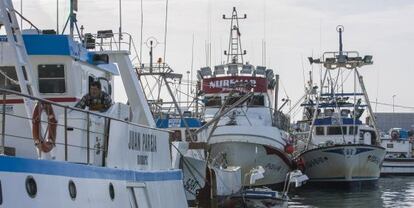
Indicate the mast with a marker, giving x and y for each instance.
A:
(235, 52)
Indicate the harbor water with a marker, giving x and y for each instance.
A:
(388, 192)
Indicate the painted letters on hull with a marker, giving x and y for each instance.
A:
(345, 163)
(249, 156)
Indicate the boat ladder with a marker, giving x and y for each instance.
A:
(22, 65)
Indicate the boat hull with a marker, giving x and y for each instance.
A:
(343, 163)
(251, 155)
(398, 166)
(52, 178)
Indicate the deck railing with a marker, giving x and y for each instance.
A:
(64, 109)
(112, 42)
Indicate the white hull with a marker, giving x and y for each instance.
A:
(250, 155)
(343, 163)
(398, 166)
(131, 188)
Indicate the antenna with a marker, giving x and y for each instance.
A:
(235, 48)
(21, 12)
(72, 19)
(120, 24)
(57, 16)
(340, 29)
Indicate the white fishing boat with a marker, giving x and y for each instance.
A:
(240, 102)
(55, 155)
(399, 158)
(338, 146)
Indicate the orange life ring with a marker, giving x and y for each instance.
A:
(44, 144)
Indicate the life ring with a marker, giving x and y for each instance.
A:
(395, 135)
(44, 144)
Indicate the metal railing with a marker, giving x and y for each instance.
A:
(65, 110)
(111, 42)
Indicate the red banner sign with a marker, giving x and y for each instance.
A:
(226, 84)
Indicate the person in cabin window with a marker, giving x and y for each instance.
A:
(96, 99)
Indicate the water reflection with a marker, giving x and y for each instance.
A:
(389, 192)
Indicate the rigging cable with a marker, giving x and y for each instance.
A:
(165, 28)
(142, 28)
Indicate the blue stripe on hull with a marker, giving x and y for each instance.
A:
(58, 168)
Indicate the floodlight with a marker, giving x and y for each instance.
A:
(342, 58)
(233, 69)
(218, 70)
(205, 71)
(269, 74)
(260, 70)
(367, 59)
(247, 69)
(330, 60)
(105, 34)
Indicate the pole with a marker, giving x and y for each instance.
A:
(66, 133)
(21, 12)
(371, 113)
(120, 24)
(57, 16)
(3, 125)
(393, 109)
(71, 23)
(187, 128)
(276, 93)
(87, 138)
(188, 89)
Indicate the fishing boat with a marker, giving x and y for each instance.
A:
(247, 130)
(338, 146)
(202, 182)
(56, 155)
(399, 159)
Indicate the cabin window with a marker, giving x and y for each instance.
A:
(213, 101)
(353, 130)
(105, 85)
(320, 130)
(336, 130)
(188, 138)
(8, 78)
(232, 100)
(257, 100)
(175, 136)
(51, 78)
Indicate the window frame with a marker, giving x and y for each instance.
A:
(53, 78)
(318, 133)
(254, 98)
(17, 79)
(351, 128)
(215, 98)
(341, 131)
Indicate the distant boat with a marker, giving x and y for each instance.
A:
(333, 144)
(399, 159)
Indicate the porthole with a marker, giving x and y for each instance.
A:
(72, 190)
(31, 186)
(111, 191)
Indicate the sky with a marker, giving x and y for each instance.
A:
(292, 30)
